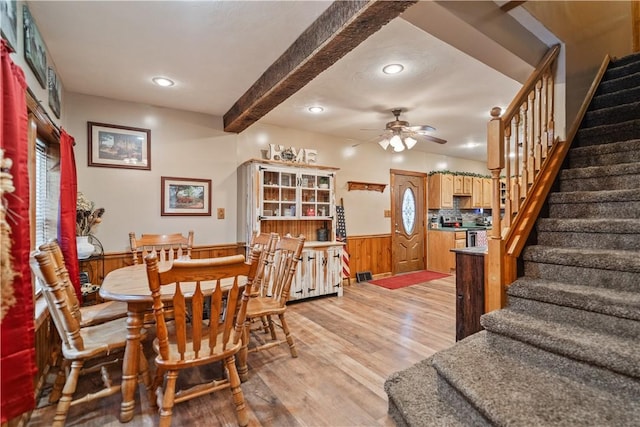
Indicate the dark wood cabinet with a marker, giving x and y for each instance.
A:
(469, 290)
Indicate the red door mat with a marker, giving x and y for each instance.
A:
(408, 279)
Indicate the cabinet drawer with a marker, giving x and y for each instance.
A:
(460, 235)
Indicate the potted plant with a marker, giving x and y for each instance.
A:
(87, 216)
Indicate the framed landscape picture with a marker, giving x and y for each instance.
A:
(113, 146)
(9, 22)
(185, 197)
(54, 92)
(34, 51)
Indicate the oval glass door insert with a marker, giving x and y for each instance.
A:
(408, 211)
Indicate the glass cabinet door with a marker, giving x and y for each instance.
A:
(287, 194)
(278, 194)
(315, 194)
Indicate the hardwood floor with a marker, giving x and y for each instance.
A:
(347, 348)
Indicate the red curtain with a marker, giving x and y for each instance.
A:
(68, 197)
(17, 355)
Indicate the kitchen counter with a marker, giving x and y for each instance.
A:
(473, 250)
(472, 228)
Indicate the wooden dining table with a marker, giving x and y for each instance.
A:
(130, 284)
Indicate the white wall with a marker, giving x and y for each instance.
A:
(183, 144)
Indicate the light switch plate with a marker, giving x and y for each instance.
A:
(387, 213)
(220, 213)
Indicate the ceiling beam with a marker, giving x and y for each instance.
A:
(342, 27)
(511, 5)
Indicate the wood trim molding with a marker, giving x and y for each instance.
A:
(635, 24)
(342, 27)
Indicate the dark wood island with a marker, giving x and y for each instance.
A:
(469, 290)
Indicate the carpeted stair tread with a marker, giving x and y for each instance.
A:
(511, 392)
(625, 60)
(602, 171)
(627, 81)
(607, 134)
(413, 400)
(576, 342)
(605, 154)
(603, 259)
(618, 69)
(591, 225)
(585, 373)
(602, 300)
(603, 233)
(614, 114)
(611, 99)
(598, 178)
(582, 197)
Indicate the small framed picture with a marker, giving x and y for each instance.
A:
(185, 197)
(112, 146)
(9, 22)
(34, 51)
(54, 92)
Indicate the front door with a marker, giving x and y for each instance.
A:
(407, 221)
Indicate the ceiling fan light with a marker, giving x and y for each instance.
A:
(396, 142)
(398, 149)
(410, 142)
(384, 143)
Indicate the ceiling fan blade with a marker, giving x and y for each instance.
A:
(433, 139)
(423, 128)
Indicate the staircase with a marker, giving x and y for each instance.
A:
(566, 349)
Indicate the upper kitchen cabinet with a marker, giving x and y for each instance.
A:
(481, 194)
(440, 191)
(462, 185)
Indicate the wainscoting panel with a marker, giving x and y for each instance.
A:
(369, 253)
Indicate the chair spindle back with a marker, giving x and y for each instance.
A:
(166, 247)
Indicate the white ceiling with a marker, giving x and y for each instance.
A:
(215, 50)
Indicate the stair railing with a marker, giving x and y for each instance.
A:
(524, 157)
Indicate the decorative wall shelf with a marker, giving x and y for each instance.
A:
(355, 185)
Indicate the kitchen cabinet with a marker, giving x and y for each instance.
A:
(439, 245)
(486, 192)
(462, 185)
(481, 193)
(469, 291)
(440, 191)
(295, 199)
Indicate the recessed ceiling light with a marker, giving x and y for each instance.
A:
(163, 81)
(316, 109)
(392, 68)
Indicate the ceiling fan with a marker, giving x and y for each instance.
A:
(399, 134)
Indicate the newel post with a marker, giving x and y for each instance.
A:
(495, 297)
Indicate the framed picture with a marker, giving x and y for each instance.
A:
(185, 197)
(9, 22)
(54, 92)
(113, 146)
(34, 51)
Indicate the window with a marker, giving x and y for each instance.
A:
(45, 193)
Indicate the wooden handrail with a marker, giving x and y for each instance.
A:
(515, 144)
(522, 94)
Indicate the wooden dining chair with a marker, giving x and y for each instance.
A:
(166, 246)
(266, 243)
(88, 315)
(200, 338)
(280, 273)
(85, 349)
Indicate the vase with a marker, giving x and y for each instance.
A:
(85, 249)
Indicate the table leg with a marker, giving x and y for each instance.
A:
(130, 364)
